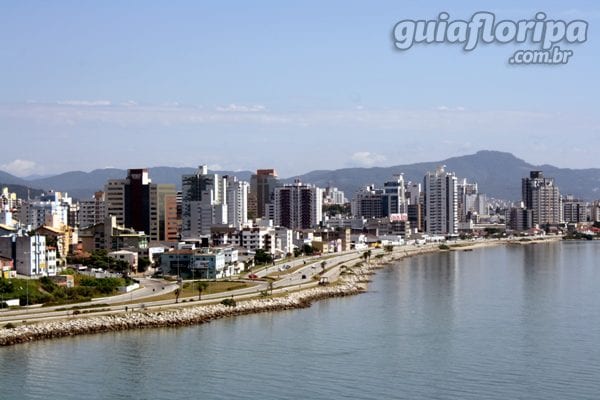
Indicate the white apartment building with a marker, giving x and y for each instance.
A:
(441, 203)
(237, 202)
(204, 203)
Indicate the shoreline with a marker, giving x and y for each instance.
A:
(348, 284)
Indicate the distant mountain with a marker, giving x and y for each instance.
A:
(497, 173)
(6, 178)
(21, 191)
(82, 185)
(17, 185)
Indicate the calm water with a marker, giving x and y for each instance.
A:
(519, 322)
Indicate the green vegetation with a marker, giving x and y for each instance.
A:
(578, 236)
(229, 302)
(45, 291)
(100, 259)
(444, 247)
(335, 209)
(262, 257)
(308, 250)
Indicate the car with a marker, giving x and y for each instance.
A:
(253, 276)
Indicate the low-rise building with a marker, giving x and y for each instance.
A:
(198, 263)
(125, 255)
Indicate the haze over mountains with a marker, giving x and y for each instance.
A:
(497, 173)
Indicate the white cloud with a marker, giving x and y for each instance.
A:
(20, 167)
(242, 108)
(367, 159)
(86, 103)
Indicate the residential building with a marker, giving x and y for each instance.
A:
(262, 189)
(298, 206)
(28, 254)
(441, 202)
(237, 202)
(131, 257)
(332, 195)
(50, 210)
(394, 197)
(92, 211)
(139, 204)
(367, 203)
(542, 197)
(204, 203)
(574, 210)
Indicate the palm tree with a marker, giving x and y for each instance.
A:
(201, 287)
(270, 285)
(177, 293)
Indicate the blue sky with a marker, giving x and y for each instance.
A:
(295, 86)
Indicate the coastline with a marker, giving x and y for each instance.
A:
(353, 281)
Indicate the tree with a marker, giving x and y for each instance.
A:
(143, 264)
(389, 248)
(177, 293)
(307, 249)
(323, 264)
(262, 257)
(201, 287)
(367, 255)
(270, 285)
(6, 287)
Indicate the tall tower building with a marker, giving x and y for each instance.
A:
(542, 197)
(203, 203)
(441, 202)
(394, 196)
(137, 203)
(298, 206)
(91, 212)
(262, 189)
(467, 199)
(237, 202)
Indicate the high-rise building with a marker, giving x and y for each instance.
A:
(332, 195)
(92, 212)
(166, 221)
(441, 202)
(298, 206)
(203, 204)
(49, 210)
(470, 201)
(542, 197)
(413, 192)
(262, 189)
(237, 202)
(574, 210)
(138, 203)
(368, 203)
(394, 197)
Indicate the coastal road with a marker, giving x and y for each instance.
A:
(287, 282)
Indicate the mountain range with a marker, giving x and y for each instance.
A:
(498, 174)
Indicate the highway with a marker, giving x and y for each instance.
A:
(284, 281)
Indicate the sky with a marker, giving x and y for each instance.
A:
(295, 86)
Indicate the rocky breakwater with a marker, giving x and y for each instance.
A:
(349, 284)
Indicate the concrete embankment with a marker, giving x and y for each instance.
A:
(350, 284)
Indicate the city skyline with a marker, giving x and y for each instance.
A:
(142, 85)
